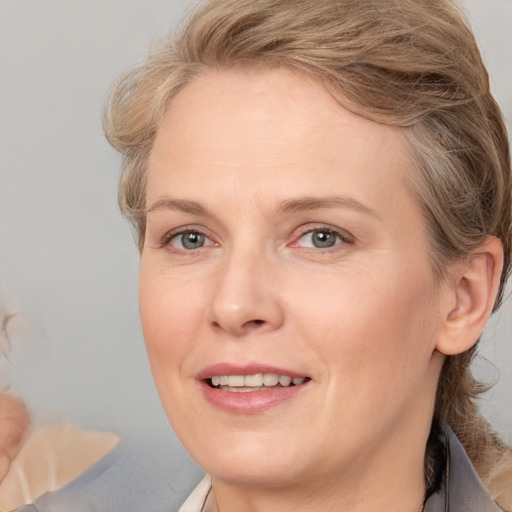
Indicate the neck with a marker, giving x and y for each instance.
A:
(388, 488)
(280, 501)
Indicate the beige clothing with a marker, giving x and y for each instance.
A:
(195, 502)
(52, 456)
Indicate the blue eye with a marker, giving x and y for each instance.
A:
(320, 239)
(189, 240)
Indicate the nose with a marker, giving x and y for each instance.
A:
(246, 296)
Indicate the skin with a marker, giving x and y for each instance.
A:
(14, 427)
(362, 319)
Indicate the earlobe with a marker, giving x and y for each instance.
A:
(475, 284)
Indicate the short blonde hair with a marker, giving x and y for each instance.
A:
(408, 63)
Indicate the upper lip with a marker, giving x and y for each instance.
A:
(246, 369)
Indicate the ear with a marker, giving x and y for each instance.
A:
(472, 289)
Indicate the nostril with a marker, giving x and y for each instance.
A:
(253, 324)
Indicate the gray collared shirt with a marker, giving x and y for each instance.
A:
(462, 490)
(124, 481)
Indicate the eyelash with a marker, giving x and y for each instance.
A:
(343, 237)
(167, 239)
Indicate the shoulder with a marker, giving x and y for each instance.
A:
(127, 479)
(462, 489)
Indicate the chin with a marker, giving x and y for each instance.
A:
(257, 473)
(247, 458)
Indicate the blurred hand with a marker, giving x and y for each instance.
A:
(14, 427)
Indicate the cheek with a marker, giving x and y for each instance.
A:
(383, 325)
(169, 316)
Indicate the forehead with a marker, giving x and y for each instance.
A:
(257, 130)
(265, 102)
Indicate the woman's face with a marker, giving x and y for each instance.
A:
(283, 243)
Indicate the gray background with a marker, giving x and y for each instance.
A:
(68, 264)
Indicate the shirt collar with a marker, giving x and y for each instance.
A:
(462, 489)
(195, 502)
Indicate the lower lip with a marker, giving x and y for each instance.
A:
(251, 402)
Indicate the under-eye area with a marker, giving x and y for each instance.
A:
(255, 382)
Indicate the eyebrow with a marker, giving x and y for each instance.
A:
(287, 206)
(186, 206)
(317, 203)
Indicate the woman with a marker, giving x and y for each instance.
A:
(322, 197)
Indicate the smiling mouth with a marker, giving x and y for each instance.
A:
(255, 382)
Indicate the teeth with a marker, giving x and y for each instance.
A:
(236, 381)
(252, 382)
(270, 379)
(284, 380)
